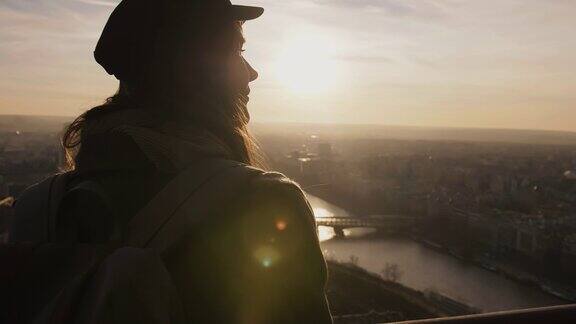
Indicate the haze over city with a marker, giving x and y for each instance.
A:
(497, 64)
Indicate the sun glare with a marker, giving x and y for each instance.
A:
(307, 64)
(320, 212)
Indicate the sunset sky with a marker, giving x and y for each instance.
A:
(463, 63)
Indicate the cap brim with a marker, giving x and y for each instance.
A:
(246, 12)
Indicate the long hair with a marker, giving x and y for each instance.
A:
(195, 97)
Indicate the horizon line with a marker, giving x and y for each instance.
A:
(352, 124)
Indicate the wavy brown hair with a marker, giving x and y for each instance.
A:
(194, 97)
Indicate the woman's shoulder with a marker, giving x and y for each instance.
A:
(277, 188)
(273, 197)
(274, 211)
(275, 181)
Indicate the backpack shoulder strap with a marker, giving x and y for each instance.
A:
(184, 200)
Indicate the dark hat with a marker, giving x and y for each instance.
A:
(132, 26)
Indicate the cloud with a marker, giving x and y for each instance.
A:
(393, 8)
(99, 3)
(367, 59)
(46, 47)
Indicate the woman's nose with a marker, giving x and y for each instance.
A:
(253, 74)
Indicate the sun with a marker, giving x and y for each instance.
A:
(307, 64)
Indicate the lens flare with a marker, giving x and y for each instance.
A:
(266, 262)
(267, 256)
(280, 225)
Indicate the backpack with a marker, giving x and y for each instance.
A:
(45, 281)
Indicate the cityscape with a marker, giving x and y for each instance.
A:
(507, 206)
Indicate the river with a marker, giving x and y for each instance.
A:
(423, 268)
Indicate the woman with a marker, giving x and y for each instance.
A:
(182, 98)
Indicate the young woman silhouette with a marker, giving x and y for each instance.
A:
(182, 105)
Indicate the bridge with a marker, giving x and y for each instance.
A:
(387, 223)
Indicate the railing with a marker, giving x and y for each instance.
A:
(363, 221)
(551, 314)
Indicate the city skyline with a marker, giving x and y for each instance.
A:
(491, 64)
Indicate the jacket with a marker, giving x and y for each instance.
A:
(256, 259)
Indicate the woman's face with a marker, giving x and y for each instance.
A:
(240, 74)
(224, 63)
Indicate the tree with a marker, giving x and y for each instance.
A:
(353, 260)
(391, 272)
